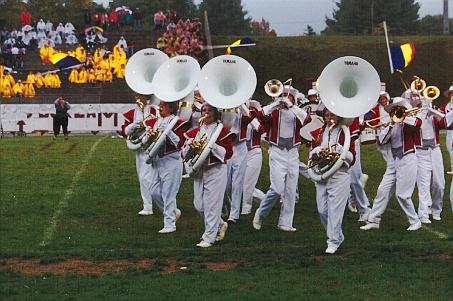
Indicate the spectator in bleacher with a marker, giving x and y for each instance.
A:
(104, 20)
(71, 39)
(18, 89)
(90, 38)
(41, 26)
(60, 119)
(101, 38)
(122, 43)
(69, 28)
(49, 26)
(60, 30)
(137, 15)
(97, 19)
(113, 20)
(159, 20)
(25, 17)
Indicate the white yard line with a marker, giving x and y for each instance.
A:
(439, 234)
(50, 231)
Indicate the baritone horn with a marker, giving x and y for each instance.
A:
(348, 87)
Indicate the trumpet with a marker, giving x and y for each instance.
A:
(196, 147)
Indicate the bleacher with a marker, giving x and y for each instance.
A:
(115, 92)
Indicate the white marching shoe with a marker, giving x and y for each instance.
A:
(425, 220)
(166, 230)
(370, 226)
(204, 244)
(364, 217)
(415, 226)
(286, 228)
(331, 250)
(363, 179)
(222, 231)
(437, 217)
(352, 207)
(178, 214)
(146, 212)
(257, 221)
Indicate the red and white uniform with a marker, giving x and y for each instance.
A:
(144, 171)
(403, 138)
(237, 165)
(167, 168)
(210, 181)
(358, 194)
(254, 160)
(377, 112)
(446, 108)
(332, 194)
(430, 167)
(283, 134)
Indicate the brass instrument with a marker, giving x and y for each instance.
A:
(196, 147)
(273, 87)
(326, 157)
(399, 113)
(153, 135)
(431, 93)
(418, 84)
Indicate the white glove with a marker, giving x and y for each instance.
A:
(286, 101)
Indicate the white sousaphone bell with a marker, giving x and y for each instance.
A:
(175, 80)
(139, 74)
(140, 70)
(349, 87)
(225, 82)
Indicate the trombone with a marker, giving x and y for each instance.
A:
(397, 115)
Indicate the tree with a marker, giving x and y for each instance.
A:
(310, 31)
(10, 11)
(226, 17)
(432, 25)
(261, 28)
(360, 16)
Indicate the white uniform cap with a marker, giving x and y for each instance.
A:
(312, 92)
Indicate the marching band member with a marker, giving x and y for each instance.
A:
(167, 165)
(237, 165)
(430, 164)
(448, 107)
(283, 121)
(403, 137)
(132, 120)
(358, 194)
(254, 159)
(332, 194)
(210, 182)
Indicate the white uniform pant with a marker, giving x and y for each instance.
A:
(284, 172)
(357, 191)
(450, 151)
(209, 188)
(144, 172)
(331, 199)
(386, 151)
(403, 174)
(430, 166)
(254, 160)
(165, 183)
(236, 167)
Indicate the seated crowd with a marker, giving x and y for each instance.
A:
(184, 37)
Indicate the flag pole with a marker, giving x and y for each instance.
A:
(388, 48)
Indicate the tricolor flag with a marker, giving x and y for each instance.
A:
(239, 43)
(402, 55)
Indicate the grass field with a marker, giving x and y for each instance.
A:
(70, 231)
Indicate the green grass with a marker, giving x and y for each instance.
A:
(100, 222)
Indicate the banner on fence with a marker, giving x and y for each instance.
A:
(82, 117)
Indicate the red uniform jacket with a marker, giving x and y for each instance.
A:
(411, 136)
(272, 123)
(179, 129)
(225, 140)
(318, 133)
(129, 117)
